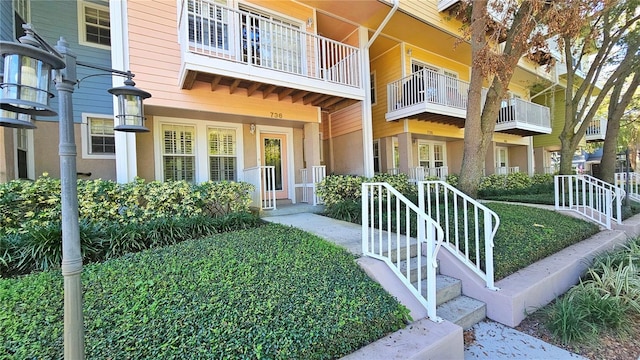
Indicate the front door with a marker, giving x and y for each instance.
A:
(274, 153)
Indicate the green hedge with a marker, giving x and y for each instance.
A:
(26, 205)
(114, 218)
(272, 292)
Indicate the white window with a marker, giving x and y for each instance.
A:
(98, 139)
(94, 24)
(396, 153)
(431, 155)
(222, 154)
(502, 157)
(22, 149)
(178, 152)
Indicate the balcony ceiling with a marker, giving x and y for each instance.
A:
(337, 19)
(252, 88)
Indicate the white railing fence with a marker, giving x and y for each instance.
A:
(310, 183)
(634, 184)
(519, 110)
(506, 170)
(393, 171)
(211, 29)
(419, 173)
(591, 197)
(264, 180)
(387, 222)
(416, 174)
(597, 127)
(427, 86)
(441, 172)
(469, 227)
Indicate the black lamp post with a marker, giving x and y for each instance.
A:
(25, 92)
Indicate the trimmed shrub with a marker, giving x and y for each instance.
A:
(273, 292)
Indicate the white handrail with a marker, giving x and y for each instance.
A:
(634, 184)
(263, 179)
(427, 86)
(468, 226)
(383, 238)
(590, 197)
(318, 174)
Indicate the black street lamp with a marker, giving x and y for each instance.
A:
(25, 92)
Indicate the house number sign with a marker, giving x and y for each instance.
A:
(276, 115)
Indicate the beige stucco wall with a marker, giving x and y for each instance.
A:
(144, 152)
(518, 157)
(7, 163)
(46, 141)
(455, 151)
(348, 156)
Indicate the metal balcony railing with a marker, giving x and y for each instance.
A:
(427, 87)
(214, 30)
(525, 112)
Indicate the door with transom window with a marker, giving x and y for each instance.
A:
(273, 148)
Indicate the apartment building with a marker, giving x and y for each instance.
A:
(284, 90)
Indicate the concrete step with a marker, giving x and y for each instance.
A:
(447, 288)
(413, 251)
(463, 311)
(414, 268)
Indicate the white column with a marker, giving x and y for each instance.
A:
(367, 117)
(126, 157)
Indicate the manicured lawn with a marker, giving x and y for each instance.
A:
(268, 292)
(527, 234)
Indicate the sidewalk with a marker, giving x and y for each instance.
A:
(492, 340)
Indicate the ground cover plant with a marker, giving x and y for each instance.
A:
(599, 317)
(114, 218)
(270, 292)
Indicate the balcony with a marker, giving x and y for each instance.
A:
(596, 131)
(223, 46)
(431, 96)
(523, 118)
(428, 95)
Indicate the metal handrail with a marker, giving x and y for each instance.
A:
(459, 216)
(383, 238)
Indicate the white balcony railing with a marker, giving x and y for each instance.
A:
(506, 170)
(596, 130)
(263, 179)
(427, 87)
(419, 173)
(523, 113)
(214, 30)
(633, 183)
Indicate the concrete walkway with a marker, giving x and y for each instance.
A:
(493, 340)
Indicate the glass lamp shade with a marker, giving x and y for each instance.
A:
(27, 76)
(130, 115)
(15, 120)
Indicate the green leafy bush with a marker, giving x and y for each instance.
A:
(606, 299)
(272, 292)
(114, 218)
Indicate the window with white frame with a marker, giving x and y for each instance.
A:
(502, 157)
(222, 154)
(94, 24)
(101, 137)
(178, 152)
(431, 155)
(376, 156)
(98, 139)
(396, 153)
(321, 145)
